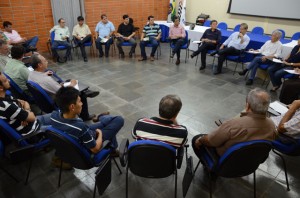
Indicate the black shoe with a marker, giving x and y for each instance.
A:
(130, 54)
(90, 117)
(213, 53)
(85, 59)
(216, 72)
(91, 94)
(59, 60)
(192, 56)
(122, 55)
(249, 82)
(242, 73)
(202, 67)
(100, 55)
(106, 55)
(177, 62)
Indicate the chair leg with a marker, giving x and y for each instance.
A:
(254, 184)
(94, 194)
(8, 173)
(186, 54)
(28, 172)
(59, 177)
(170, 54)
(196, 60)
(197, 166)
(285, 170)
(210, 185)
(127, 181)
(175, 183)
(117, 165)
(235, 67)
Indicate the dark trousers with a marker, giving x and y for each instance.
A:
(85, 109)
(107, 46)
(203, 48)
(55, 44)
(154, 44)
(120, 41)
(227, 51)
(276, 72)
(290, 91)
(200, 152)
(178, 43)
(81, 43)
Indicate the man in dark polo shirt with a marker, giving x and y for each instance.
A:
(210, 39)
(126, 34)
(165, 127)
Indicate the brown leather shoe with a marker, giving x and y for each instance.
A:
(97, 118)
(142, 59)
(152, 58)
(177, 62)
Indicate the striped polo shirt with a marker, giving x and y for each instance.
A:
(151, 31)
(161, 130)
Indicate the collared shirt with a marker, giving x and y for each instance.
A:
(160, 130)
(18, 72)
(81, 31)
(104, 29)
(60, 32)
(45, 81)
(14, 36)
(151, 31)
(294, 56)
(212, 35)
(249, 126)
(235, 41)
(270, 48)
(177, 31)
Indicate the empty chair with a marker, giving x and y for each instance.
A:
(258, 30)
(237, 28)
(207, 23)
(222, 26)
(296, 36)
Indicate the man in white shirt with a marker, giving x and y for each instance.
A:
(236, 42)
(60, 39)
(271, 49)
(82, 34)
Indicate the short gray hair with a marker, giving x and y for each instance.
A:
(278, 33)
(258, 100)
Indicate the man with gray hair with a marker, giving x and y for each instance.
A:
(271, 49)
(251, 125)
(165, 127)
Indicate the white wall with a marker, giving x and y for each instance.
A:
(217, 9)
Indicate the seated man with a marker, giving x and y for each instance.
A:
(271, 49)
(151, 34)
(16, 69)
(17, 113)
(82, 34)
(15, 38)
(104, 31)
(165, 127)
(277, 71)
(236, 42)
(210, 40)
(290, 91)
(126, 33)
(252, 125)
(61, 36)
(4, 51)
(289, 123)
(91, 136)
(50, 85)
(177, 36)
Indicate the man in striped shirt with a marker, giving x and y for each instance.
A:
(165, 127)
(151, 35)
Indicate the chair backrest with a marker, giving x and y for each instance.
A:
(290, 147)
(151, 159)
(52, 35)
(17, 92)
(207, 23)
(296, 36)
(237, 28)
(12, 134)
(164, 32)
(69, 150)
(258, 30)
(283, 33)
(41, 98)
(222, 26)
(243, 158)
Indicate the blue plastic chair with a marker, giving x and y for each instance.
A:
(185, 46)
(237, 28)
(164, 33)
(222, 26)
(296, 36)
(150, 159)
(60, 47)
(258, 30)
(158, 49)
(126, 44)
(86, 44)
(69, 150)
(17, 92)
(238, 59)
(41, 97)
(239, 160)
(290, 148)
(207, 23)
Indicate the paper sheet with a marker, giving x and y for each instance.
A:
(197, 42)
(279, 107)
(66, 84)
(291, 71)
(275, 60)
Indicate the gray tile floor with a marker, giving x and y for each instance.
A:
(133, 89)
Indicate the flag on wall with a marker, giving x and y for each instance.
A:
(171, 12)
(181, 11)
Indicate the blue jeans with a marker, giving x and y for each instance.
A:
(31, 42)
(44, 120)
(154, 44)
(110, 126)
(276, 72)
(107, 46)
(255, 64)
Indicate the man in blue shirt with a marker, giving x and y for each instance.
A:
(236, 42)
(104, 31)
(151, 34)
(91, 136)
